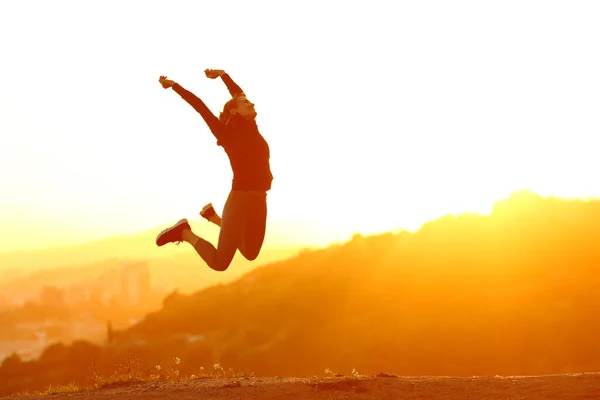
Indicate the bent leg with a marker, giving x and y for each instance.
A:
(230, 236)
(253, 234)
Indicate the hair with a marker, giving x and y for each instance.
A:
(225, 115)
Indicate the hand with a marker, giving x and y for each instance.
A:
(214, 73)
(166, 83)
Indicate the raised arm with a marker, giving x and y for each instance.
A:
(233, 87)
(211, 120)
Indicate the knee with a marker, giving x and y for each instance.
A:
(251, 255)
(218, 264)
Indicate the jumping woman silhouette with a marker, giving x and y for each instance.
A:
(243, 223)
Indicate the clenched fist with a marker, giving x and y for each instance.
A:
(213, 73)
(166, 83)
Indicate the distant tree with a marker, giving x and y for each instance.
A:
(54, 353)
(172, 298)
(109, 332)
(11, 362)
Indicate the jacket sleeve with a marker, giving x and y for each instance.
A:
(233, 87)
(211, 120)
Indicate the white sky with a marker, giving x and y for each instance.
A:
(380, 114)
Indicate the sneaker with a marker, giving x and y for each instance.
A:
(208, 211)
(172, 234)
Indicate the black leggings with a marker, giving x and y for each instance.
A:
(243, 226)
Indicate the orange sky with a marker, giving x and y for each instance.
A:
(380, 115)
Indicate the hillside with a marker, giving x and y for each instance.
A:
(512, 293)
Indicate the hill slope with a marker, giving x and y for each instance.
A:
(510, 293)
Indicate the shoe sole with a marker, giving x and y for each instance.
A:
(164, 231)
(207, 211)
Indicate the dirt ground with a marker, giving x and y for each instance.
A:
(568, 386)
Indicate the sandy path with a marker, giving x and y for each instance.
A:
(571, 386)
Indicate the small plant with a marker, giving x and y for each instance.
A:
(127, 372)
(157, 375)
(173, 369)
(62, 389)
(218, 371)
(330, 373)
(168, 373)
(53, 390)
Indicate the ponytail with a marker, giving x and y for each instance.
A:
(225, 115)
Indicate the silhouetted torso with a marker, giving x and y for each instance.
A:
(246, 148)
(248, 154)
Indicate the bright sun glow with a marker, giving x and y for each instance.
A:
(380, 115)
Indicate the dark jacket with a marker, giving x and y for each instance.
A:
(247, 150)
